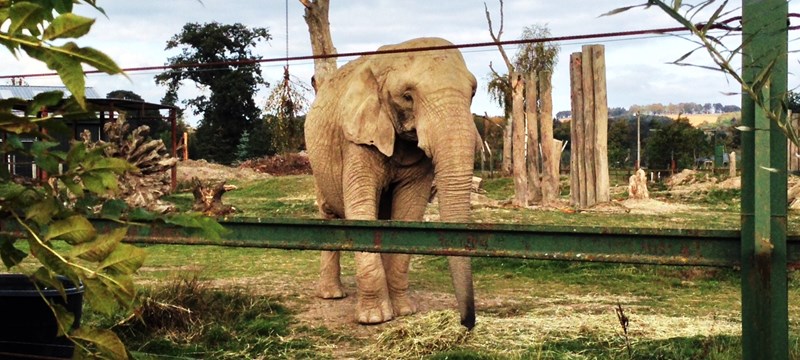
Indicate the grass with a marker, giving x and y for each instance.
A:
(253, 303)
(186, 317)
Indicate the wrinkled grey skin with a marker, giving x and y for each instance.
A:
(381, 129)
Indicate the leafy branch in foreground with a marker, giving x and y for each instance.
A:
(722, 56)
(46, 229)
(35, 27)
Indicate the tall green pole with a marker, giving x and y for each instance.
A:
(764, 280)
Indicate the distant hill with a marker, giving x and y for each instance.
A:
(699, 119)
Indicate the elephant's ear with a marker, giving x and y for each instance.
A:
(366, 119)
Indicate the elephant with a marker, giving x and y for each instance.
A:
(380, 130)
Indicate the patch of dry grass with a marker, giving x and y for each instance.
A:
(512, 337)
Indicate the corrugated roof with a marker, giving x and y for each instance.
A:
(28, 92)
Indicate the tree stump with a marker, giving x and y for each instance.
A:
(208, 198)
(637, 186)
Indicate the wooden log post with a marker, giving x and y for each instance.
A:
(589, 180)
(588, 124)
(549, 166)
(600, 118)
(793, 153)
(518, 146)
(577, 171)
(532, 120)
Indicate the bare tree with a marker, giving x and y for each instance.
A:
(532, 65)
(319, 29)
(517, 121)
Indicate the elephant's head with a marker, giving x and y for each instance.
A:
(423, 98)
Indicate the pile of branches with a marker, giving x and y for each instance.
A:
(288, 164)
(145, 187)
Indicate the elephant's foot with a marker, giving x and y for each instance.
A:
(403, 305)
(374, 312)
(330, 289)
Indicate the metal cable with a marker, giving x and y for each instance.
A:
(722, 25)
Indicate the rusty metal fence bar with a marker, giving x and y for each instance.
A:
(719, 248)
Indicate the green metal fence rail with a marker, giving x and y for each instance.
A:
(719, 248)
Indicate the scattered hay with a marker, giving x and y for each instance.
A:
(653, 206)
(422, 335)
(440, 331)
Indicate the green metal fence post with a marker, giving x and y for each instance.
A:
(764, 279)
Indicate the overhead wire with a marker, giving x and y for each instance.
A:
(215, 66)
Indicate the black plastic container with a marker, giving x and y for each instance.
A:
(27, 325)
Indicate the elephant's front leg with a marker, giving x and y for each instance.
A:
(408, 203)
(330, 283)
(364, 177)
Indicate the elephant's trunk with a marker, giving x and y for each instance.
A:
(453, 152)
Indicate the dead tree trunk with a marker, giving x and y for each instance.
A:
(549, 163)
(532, 115)
(208, 198)
(319, 30)
(518, 117)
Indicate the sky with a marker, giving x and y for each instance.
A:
(134, 34)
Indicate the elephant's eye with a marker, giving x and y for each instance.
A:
(407, 96)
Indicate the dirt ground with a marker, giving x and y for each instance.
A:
(278, 165)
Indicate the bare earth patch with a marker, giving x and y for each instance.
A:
(653, 206)
(205, 170)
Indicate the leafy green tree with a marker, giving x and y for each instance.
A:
(220, 58)
(620, 143)
(243, 149)
(675, 140)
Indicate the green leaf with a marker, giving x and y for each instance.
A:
(10, 190)
(139, 214)
(100, 248)
(206, 225)
(125, 259)
(74, 230)
(96, 59)
(40, 147)
(25, 15)
(42, 211)
(76, 155)
(15, 143)
(64, 317)
(10, 255)
(50, 261)
(68, 25)
(113, 209)
(106, 342)
(66, 65)
(45, 99)
(47, 163)
(116, 165)
(94, 183)
(620, 10)
(75, 187)
(62, 6)
(99, 296)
